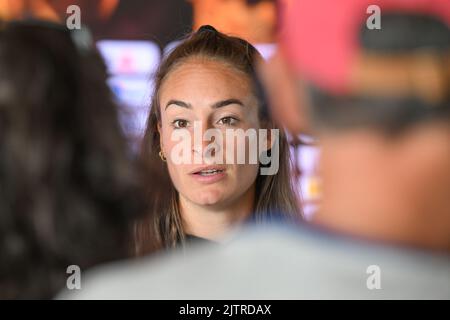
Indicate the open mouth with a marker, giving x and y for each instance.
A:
(209, 172)
(206, 171)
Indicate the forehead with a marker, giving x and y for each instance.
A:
(205, 79)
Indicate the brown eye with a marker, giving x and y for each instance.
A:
(228, 121)
(180, 123)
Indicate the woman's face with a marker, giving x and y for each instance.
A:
(215, 96)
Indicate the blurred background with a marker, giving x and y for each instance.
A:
(134, 35)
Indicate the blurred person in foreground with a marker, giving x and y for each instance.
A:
(378, 102)
(68, 186)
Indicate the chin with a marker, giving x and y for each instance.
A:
(208, 197)
(208, 200)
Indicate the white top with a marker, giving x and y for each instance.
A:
(275, 262)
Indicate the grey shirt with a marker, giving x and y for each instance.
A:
(275, 262)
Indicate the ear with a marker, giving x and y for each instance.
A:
(285, 95)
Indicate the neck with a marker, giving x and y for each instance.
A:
(212, 222)
(378, 199)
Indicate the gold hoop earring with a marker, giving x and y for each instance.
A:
(161, 155)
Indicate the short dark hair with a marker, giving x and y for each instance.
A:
(400, 34)
(68, 186)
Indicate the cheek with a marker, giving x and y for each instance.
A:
(246, 175)
(171, 138)
(167, 143)
(179, 177)
(164, 133)
(175, 170)
(242, 146)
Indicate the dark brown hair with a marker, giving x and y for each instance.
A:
(69, 191)
(163, 226)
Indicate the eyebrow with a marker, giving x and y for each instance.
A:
(216, 105)
(224, 103)
(178, 103)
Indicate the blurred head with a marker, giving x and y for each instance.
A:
(379, 102)
(206, 83)
(11, 10)
(253, 20)
(68, 190)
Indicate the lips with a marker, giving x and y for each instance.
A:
(209, 174)
(208, 170)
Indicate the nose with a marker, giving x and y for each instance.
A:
(205, 144)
